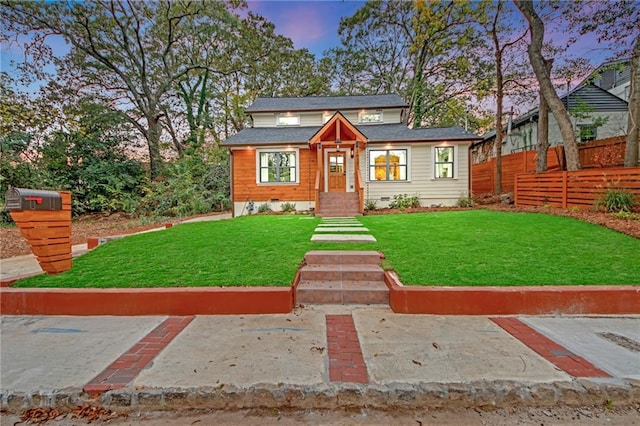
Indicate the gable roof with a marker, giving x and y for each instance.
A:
(337, 127)
(374, 132)
(322, 103)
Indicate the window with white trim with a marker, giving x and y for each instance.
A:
(288, 120)
(365, 117)
(444, 162)
(277, 167)
(388, 164)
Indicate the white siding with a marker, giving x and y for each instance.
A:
(314, 118)
(421, 181)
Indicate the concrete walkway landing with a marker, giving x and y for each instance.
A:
(319, 356)
(342, 230)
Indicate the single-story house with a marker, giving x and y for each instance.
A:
(332, 154)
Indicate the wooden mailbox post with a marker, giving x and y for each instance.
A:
(44, 219)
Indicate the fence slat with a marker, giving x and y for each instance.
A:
(576, 189)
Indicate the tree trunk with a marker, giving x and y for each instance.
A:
(153, 142)
(499, 107)
(633, 135)
(542, 145)
(536, 28)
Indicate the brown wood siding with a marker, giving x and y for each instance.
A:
(245, 187)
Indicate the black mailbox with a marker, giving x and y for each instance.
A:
(32, 199)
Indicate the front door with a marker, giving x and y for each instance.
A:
(337, 172)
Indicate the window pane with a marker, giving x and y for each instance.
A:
(444, 154)
(288, 120)
(370, 117)
(444, 171)
(398, 156)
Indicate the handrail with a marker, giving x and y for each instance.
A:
(360, 189)
(316, 198)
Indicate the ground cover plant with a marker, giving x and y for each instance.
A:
(471, 247)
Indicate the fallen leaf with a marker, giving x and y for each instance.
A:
(382, 320)
(435, 345)
(232, 365)
(416, 362)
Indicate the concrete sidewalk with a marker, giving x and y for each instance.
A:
(322, 357)
(28, 264)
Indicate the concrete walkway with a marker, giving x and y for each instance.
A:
(316, 357)
(28, 264)
(342, 230)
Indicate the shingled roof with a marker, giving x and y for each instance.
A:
(330, 103)
(374, 133)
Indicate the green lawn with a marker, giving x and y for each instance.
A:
(473, 247)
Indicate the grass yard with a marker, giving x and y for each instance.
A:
(481, 247)
(474, 247)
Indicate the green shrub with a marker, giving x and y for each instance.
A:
(370, 205)
(403, 201)
(264, 208)
(288, 207)
(616, 200)
(464, 202)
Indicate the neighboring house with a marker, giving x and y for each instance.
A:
(333, 153)
(594, 112)
(614, 77)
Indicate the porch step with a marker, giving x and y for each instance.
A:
(342, 277)
(338, 204)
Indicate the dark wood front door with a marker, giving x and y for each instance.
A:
(337, 172)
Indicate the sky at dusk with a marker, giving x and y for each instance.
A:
(312, 24)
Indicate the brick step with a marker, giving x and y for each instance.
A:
(346, 272)
(336, 214)
(342, 257)
(342, 292)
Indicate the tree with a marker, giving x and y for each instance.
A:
(132, 51)
(504, 38)
(539, 64)
(422, 51)
(618, 23)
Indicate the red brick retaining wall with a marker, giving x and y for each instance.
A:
(146, 301)
(538, 300)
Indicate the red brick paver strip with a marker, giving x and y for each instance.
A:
(127, 367)
(346, 363)
(558, 355)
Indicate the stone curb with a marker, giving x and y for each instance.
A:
(496, 393)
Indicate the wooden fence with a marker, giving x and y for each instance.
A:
(483, 175)
(574, 189)
(601, 153)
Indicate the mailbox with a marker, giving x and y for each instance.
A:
(32, 199)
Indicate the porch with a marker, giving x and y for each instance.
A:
(339, 187)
